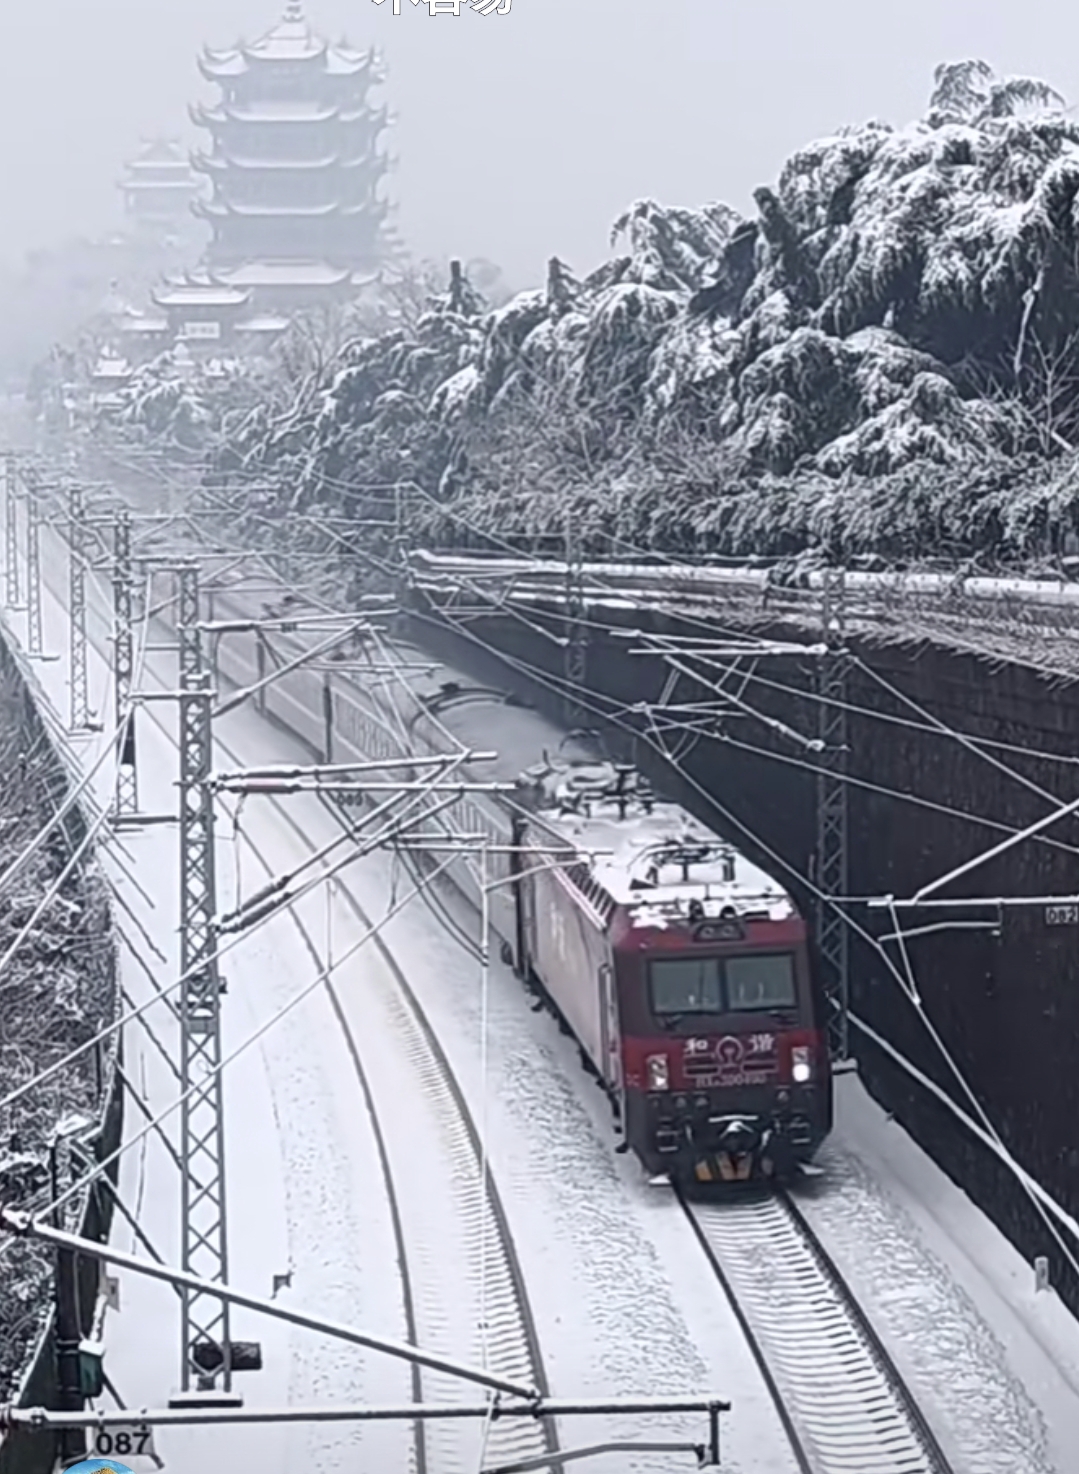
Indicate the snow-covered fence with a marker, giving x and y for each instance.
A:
(58, 989)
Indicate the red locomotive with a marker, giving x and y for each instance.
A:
(682, 970)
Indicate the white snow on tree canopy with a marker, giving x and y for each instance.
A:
(903, 300)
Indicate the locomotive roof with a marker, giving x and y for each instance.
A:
(658, 858)
(651, 856)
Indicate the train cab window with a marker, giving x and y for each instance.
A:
(686, 985)
(760, 983)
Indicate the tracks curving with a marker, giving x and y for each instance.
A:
(463, 1291)
(840, 1396)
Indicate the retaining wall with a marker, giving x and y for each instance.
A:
(1005, 1003)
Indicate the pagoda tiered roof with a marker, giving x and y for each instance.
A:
(163, 173)
(291, 41)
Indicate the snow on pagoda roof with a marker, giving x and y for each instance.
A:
(291, 40)
(160, 153)
(110, 367)
(268, 112)
(199, 294)
(342, 61)
(221, 163)
(153, 185)
(146, 325)
(159, 166)
(266, 324)
(218, 209)
(284, 274)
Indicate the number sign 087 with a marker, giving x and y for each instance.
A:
(1064, 914)
(124, 1440)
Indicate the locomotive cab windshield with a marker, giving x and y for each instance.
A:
(710, 987)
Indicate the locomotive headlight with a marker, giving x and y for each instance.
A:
(659, 1072)
(801, 1064)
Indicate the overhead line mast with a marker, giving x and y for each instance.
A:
(80, 692)
(123, 579)
(206, 1350)
(833, 935)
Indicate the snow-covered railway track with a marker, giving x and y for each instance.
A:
(443, 1198)
(843, 1402)
(462, 1289)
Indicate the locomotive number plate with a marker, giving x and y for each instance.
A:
(1067, 915)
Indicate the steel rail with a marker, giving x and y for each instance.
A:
(512, 1339)
(841, 1398)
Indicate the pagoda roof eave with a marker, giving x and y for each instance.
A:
(171, 166)
(215, 65)
(283, 274)
(154, 185)
(215, 164)
(217, 210)
(189, 294)
(223, 114)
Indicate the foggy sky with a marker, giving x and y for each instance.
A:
(518, 137)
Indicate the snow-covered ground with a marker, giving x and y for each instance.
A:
(993, 1362)
(622, 1298)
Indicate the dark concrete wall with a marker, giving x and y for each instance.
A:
(1006, 1005)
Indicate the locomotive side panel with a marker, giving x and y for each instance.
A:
(569, 952)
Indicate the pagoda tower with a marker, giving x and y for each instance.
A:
(159, 188)
(295, 166)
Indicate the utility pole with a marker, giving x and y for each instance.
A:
(399, 556)
(33, 569)
(123, 587)
(205, 1350)
(11, 534)
(833, 938)
(68, 1332)
(80, 694)
(576, 647)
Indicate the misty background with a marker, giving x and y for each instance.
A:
(516, 137)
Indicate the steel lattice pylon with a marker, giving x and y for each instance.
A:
(832, 933)
(123, 580)
(205, 1319)
(11, 534)
(33, 569)
(80, 690)
(576, 648)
